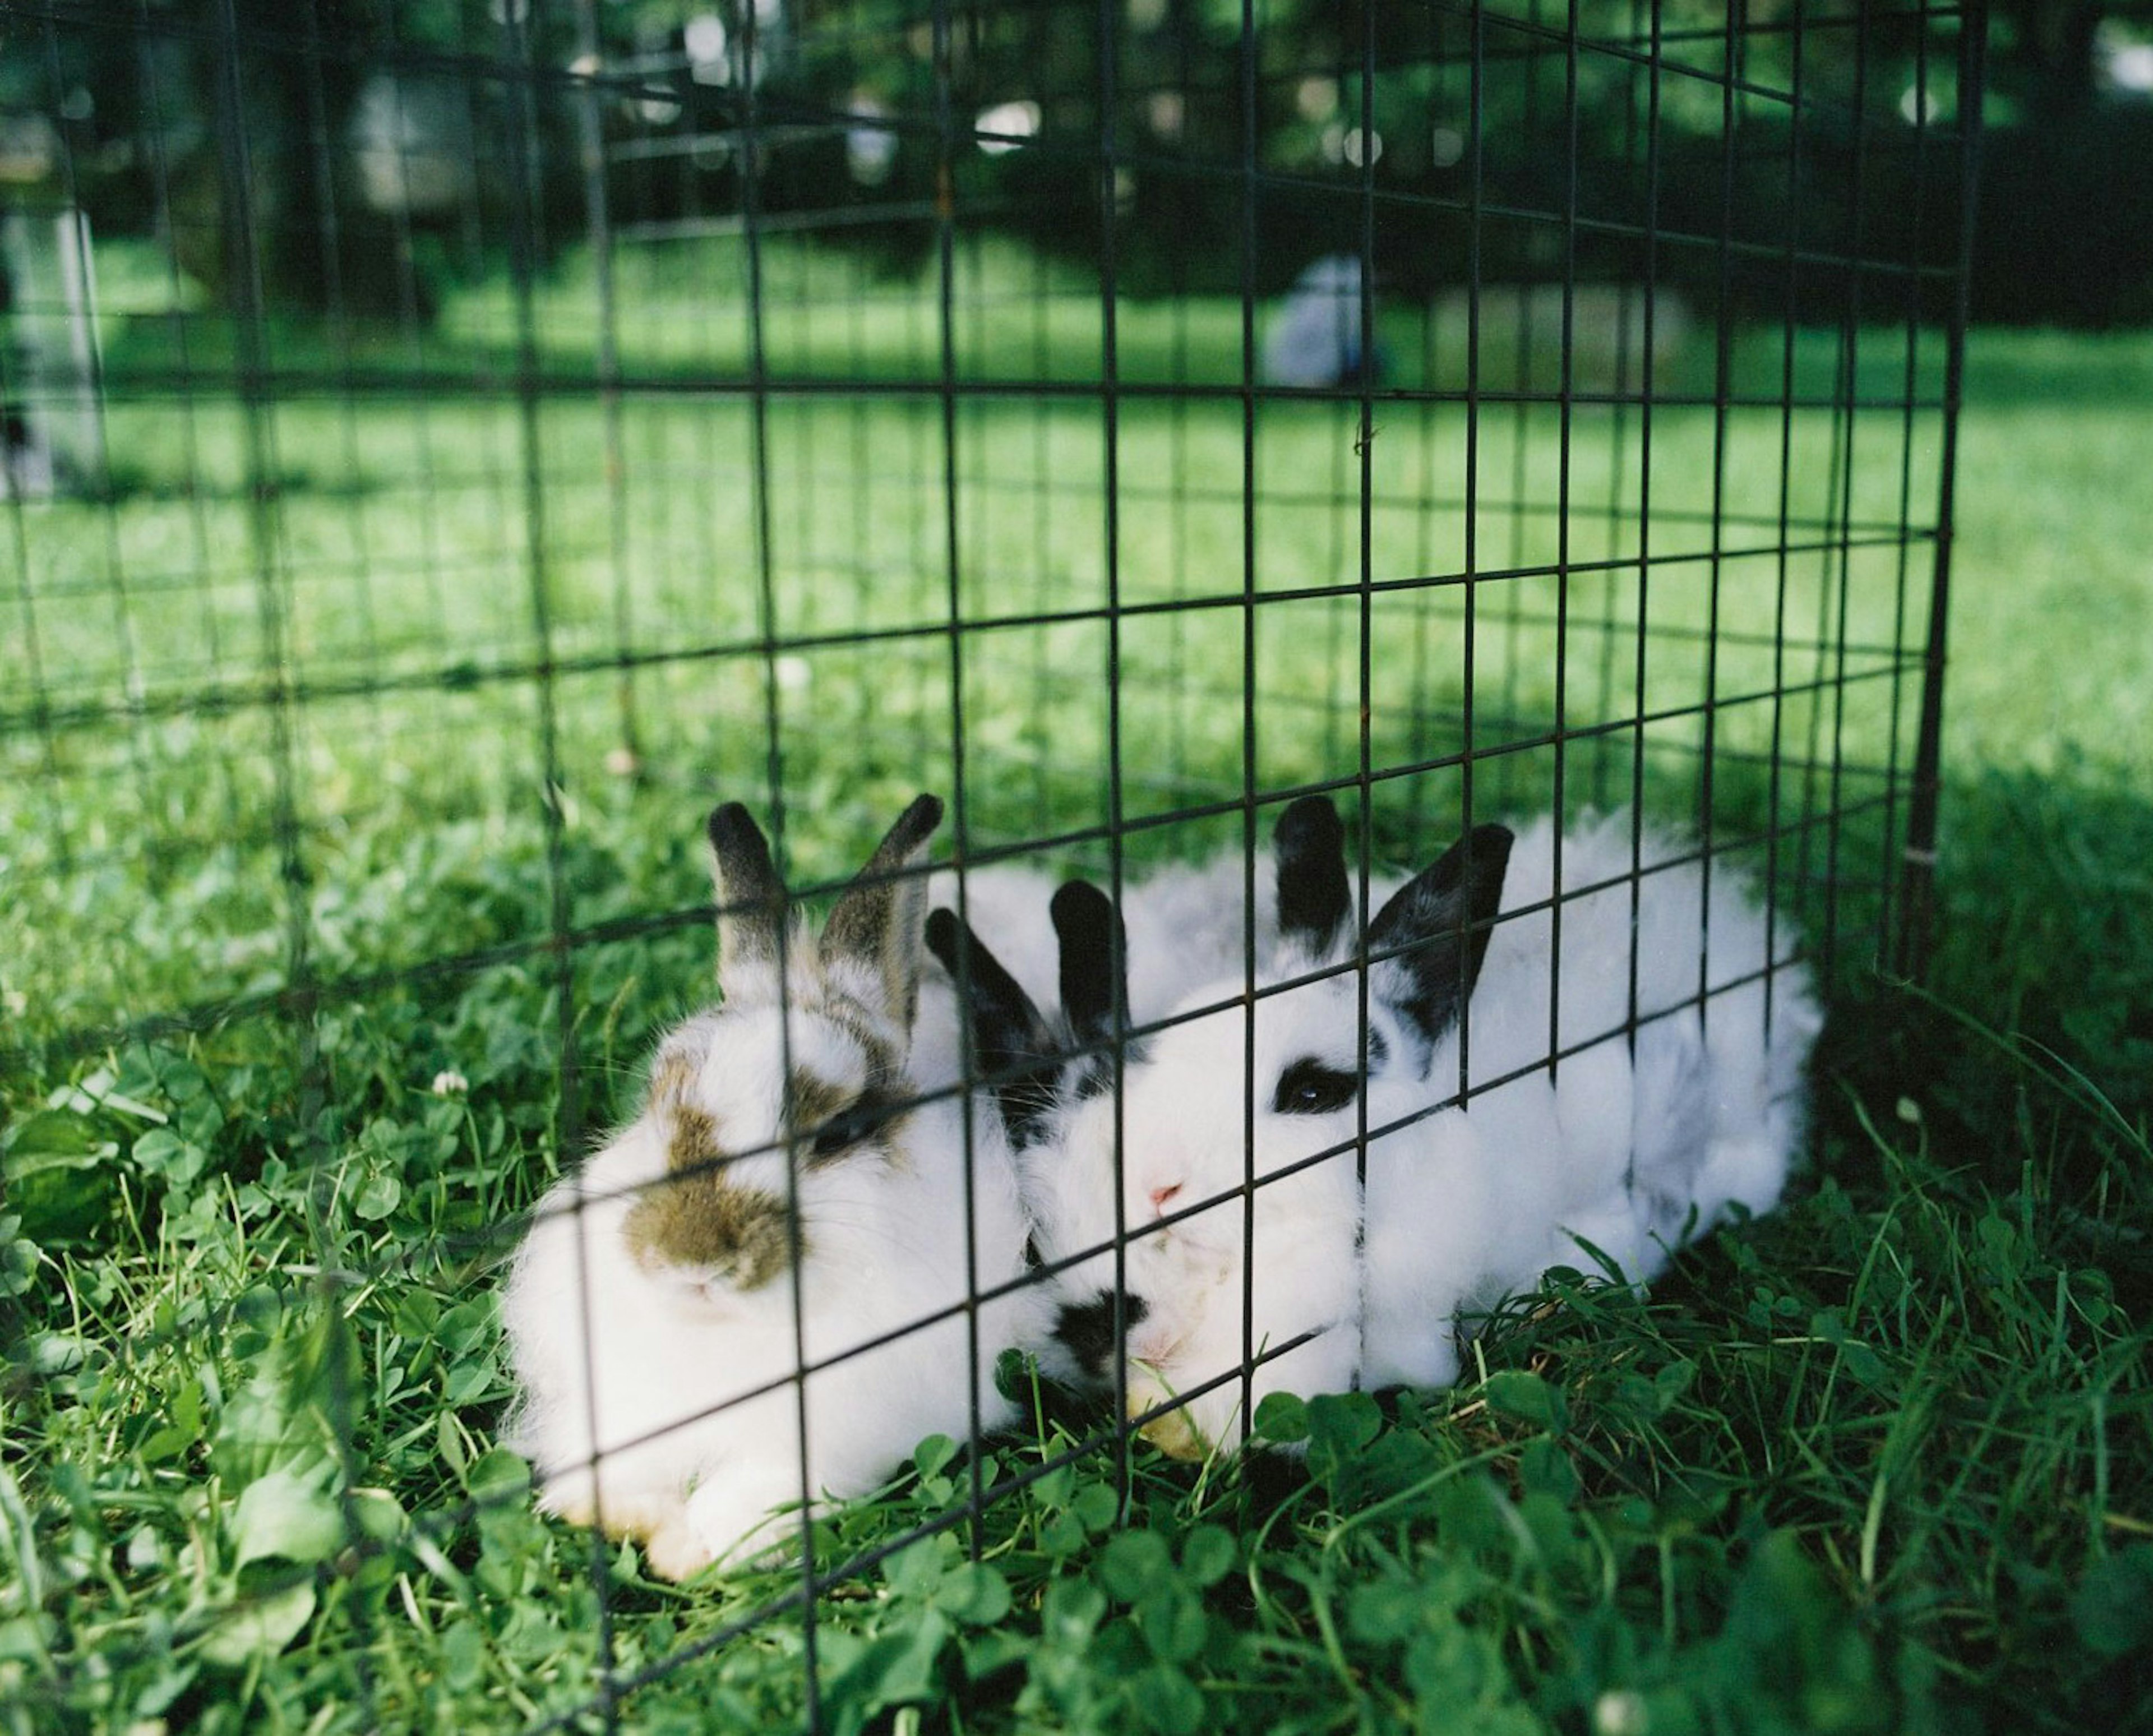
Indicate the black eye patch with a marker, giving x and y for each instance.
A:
(847, 1127)
(1309, 1088)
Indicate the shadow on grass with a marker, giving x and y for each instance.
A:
(2043, 970)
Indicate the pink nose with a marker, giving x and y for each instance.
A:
(1161, 1197)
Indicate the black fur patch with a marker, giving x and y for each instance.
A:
(1314, 895)
(1096, 1077)
(1308, 1087)
(1087, 1329)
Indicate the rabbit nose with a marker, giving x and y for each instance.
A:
(1161, 1197)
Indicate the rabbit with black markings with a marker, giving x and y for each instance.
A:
(781, 1196)
(1611, 1158)
(1107, 988)
(1037, 1064)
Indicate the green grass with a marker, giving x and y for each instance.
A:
(1882, 1462)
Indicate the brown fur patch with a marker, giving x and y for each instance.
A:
(701, 1218)
(672, 1074)
(814, 1100)
(692, 1143)
(679, 1062)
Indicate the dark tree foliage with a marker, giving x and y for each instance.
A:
(240, 129)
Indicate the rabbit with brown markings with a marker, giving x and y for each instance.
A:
(784, 1199)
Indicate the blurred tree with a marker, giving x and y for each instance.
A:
(357, 152)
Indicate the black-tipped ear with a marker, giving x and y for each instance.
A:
(1095, 991)
(750, 900)
(878, 920)
(1013, 1049)
(1439, 923)
(1314, 898)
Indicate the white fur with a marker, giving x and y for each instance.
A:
(1462, 1207)
(640, 1404)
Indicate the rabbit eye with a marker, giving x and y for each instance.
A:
(847, 1127)
(1308, 1087)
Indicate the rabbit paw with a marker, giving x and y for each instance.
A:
(674, 1552)
(731, 1520)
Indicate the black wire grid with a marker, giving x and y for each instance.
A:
(809, 404)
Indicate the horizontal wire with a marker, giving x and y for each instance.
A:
(464, 678)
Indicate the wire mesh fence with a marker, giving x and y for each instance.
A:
(451, 446)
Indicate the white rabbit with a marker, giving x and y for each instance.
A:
(651, 1312)
(1176, 930)
(1328, 1285)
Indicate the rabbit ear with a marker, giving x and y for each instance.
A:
(1095, 972)
(1013, 1047)
(1314, 900)
(878, 921)
(751, 901)
(1438, 925)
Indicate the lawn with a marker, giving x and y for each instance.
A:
(1882, 1462)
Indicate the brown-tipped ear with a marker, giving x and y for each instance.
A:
(1314, 895)
(750, 900)
(881, 919)
(1438, 925)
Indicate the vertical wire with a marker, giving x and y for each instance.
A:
(1565, 413)
(862, 407)
(300, 1001)
(180, 326)
(1730, 119)
(1335, 414)
(260, 457)
(1618, 455)
(1475, 145)
(1426, 600)
(803, 420)
(1918, 888)
(1649, 380)
(56, 822)
(597, 217)
(519, 31)
(1523, 407)
(1796, 37)
(1850, 376)
(1042, 448)
(329, 225)
(1110, 414)
(1176, 682)
(1888, 861)
(599, 1563)
(115, 560)
(1366, 447)
(1814, 647)
(767, 633)
(413, 329)
(945, 240)
(1818, 645)
(343, 1400)
(14, 391)
(1250, 92)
